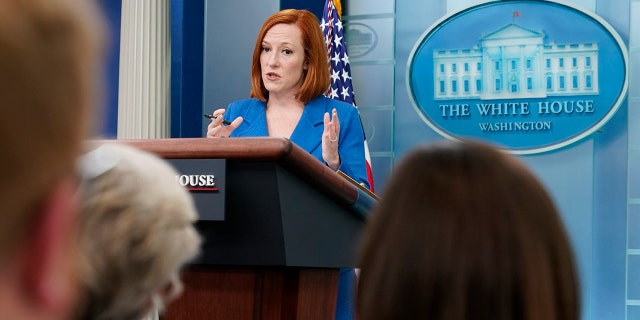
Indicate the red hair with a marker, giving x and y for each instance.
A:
(316, 77)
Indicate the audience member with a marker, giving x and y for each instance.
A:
(465, 231)
(50, 55)
(136, 232)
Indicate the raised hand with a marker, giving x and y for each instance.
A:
(330, 139)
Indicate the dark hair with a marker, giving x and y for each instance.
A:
(316, 78)
(465, 231)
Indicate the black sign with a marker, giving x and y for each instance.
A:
(205, 180)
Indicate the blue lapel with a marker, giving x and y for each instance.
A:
(308, 132)
(254, 122)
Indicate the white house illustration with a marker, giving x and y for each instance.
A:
(515, 62)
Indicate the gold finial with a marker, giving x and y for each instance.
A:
(336, 3)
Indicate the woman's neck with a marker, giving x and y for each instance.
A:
(283, 116)
(284, 102)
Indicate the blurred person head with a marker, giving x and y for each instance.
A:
(50, 56)
(314, 67)
(465, 231)
(136, 232)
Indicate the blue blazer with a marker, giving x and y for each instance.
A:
(308, 131)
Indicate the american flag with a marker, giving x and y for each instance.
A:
(341, 86)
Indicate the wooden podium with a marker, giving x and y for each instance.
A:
(289, 224)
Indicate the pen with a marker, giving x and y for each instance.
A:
(225, 121)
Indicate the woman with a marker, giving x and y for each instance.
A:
(465, 231)
(289, 76)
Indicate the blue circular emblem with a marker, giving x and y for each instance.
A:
(528, 76)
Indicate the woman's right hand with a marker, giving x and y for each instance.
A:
(217, 129)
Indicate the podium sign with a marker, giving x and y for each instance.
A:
(205, 180)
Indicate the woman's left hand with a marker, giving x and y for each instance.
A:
(330, 141)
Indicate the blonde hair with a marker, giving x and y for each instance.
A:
(136, 230)
(50, 52)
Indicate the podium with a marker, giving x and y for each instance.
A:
(289, 224)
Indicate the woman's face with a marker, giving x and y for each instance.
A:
(282, 60)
